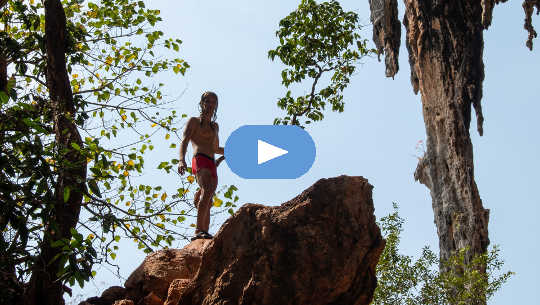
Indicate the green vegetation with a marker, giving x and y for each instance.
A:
(320, 37)
(113, 54)
(315, 39)
(404, 280)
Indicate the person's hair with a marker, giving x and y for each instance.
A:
(204, 96)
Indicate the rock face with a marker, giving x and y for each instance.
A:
(386, 32)
(318, 248)
(445, 43)
(150, 282)
(160, 268)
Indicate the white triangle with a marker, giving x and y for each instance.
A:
(266, 152)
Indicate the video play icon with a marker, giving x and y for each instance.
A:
(269, 151)
(266, 152)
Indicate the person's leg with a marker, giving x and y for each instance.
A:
(197, 198)
(205, 180)
(206, 220)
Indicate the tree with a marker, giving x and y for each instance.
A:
(403, 280)
(66, 199)
(78, 95)
(445, 45)
(315, 39)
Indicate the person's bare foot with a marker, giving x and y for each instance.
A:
(202, 235)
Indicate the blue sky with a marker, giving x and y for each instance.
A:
(226, 44)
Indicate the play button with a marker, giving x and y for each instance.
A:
(269, 152)
(266, 152)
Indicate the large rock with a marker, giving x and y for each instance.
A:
(160, 268)
(149, 283)
(321, 247)
(108, 297)
(318, 248)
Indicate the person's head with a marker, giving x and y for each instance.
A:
(208, 106)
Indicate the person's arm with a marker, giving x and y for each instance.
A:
(188, 132)
(218, 161)
(218, 150)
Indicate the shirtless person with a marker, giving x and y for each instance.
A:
(203, 133)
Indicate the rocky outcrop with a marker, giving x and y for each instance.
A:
(151, 281)
(445, 44)
(386, 32)
(161, 268)
(318, 248)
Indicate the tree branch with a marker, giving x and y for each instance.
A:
(312, 96)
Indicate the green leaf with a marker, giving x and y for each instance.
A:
(11, 83)
(92, 184)
(33, 124)
(4, 98)
(58, 243)
(67, 192)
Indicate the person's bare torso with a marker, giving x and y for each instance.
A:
(204, 138)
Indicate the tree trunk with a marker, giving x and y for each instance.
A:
(44, 287)
(445, 44)
(3, 74)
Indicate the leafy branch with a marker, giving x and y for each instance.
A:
(315, 39)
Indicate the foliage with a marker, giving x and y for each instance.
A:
(403, 280)
(112, 57)
(314, 39)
